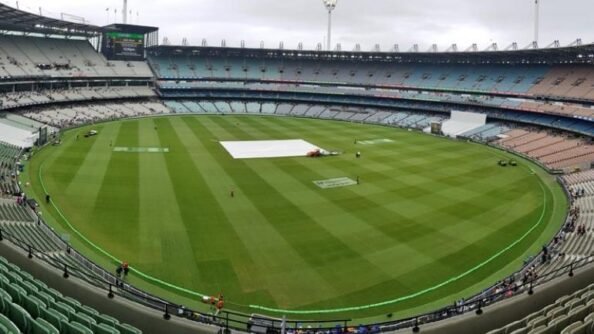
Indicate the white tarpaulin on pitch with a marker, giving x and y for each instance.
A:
(268, 148)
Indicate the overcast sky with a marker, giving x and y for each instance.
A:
(386, 22)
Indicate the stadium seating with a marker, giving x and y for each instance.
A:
(8, 181)
(573, 314)
(67, 116)
(30, 99)
(560, 81)
(455, 77)
(22, 57)
(553, 150)
(28, 305)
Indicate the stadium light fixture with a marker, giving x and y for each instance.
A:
(125, 12)
(330, 5)
(536, 20)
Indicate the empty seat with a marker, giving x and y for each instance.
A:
(40, 326)
(76, 328)
(34, 306)
(105, 329)
(16, 292)
(571, 329)
(84, 319)
(65, 309)
(8, 326)
(19, 317)
(127, 329)
(56, 318)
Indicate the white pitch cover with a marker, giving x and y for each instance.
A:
(268, 148)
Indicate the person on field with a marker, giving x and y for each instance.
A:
(122, 269)
(232, 193)
(358, 180)
(47, 198)
(125, 268)
(219, 304)
(358, 155)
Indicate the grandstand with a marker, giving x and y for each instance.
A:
(537, 104)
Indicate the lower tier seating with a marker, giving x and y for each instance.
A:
(27, 305)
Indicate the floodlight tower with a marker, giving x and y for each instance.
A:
(536, 20)
(330, 5)
(125, 13)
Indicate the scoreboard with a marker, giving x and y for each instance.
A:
(123, 46)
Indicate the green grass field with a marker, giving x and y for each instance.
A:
(431, 215)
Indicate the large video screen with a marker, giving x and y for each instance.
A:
(123, 46)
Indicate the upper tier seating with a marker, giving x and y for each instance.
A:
(22, 57)
(567, 81)
(574, 81)
(450, 77)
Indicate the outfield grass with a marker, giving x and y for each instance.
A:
(428, 209)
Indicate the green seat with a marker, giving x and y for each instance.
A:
(13, 267)
(20, 317)
(72, 302)
(45, 297)
(10, 326)
(4, 294)
(4, 305)
(64, 309)
(4, 281)
(91, 312)
(29, 287)
(26, 276)
(39, 284)
(105, 329)
(76, 328)
(3, 260)
(106, 319)
(14, 277)
(16, 292)
(42, 326)
(54, 293)
(84, 319)
(128, 329)
(34, 306)
(55, 318)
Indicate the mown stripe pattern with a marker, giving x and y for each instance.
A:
(427, 209)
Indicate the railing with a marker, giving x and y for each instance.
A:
(260, 323)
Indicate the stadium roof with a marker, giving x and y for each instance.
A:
(12, 19)
(130, 28)
(583, 54)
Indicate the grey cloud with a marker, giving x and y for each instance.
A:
(355, 21)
